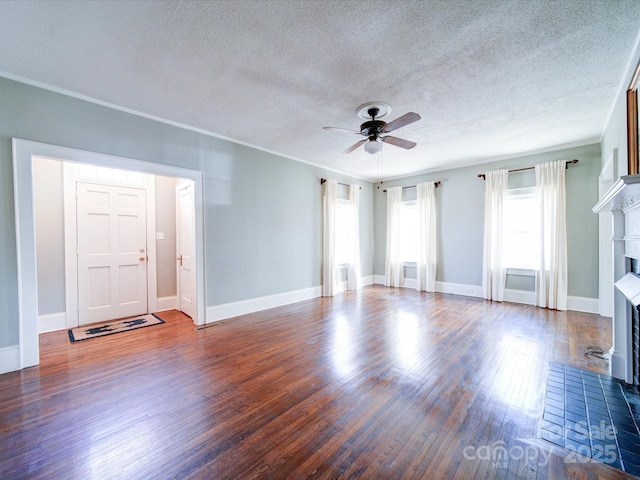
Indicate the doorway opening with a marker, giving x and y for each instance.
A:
(24, 155)
(105, 243)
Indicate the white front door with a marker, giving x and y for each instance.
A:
(112, 252)
(185, 243)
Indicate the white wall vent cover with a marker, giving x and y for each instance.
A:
(629, 285)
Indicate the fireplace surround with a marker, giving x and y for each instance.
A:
(622, 200)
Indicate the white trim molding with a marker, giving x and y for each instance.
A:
(52, 322)
(9, 359)
(252, 305)
(166, 303)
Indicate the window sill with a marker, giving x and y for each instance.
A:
(523, 272)
(410, 264)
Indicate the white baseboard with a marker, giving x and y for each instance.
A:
(166, 303)
(526, 297)
(618, 366)
(9, 359)
(243, 307)
(409, 283)
(459, 289)
(52, 322)
(576, 304)
(583, 304)
(404, 283)
(366, 281)
(441, 287)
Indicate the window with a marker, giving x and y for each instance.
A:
(519, 247)
(409, 231)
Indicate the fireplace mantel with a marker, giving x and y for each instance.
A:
(622, 201)
(623, 194)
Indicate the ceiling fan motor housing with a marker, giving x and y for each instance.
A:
(372, 127)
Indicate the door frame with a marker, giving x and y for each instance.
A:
(70, 182)
(24, 152)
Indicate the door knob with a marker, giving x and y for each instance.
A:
(142, 259)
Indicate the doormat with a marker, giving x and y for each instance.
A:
(116, 326)
(592, 415)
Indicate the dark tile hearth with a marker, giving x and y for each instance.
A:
(592, 415)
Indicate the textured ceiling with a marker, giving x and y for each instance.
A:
(490, 78)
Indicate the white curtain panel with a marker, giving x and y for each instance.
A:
(493, 272)
(353, 239)
(393, 266)
(329, 201)
(551, 273)
(426, 261)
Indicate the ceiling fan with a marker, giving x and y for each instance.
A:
(373, 128)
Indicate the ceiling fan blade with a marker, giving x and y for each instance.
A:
(399, 142)
(353, 147)
(341, 129)
(405, 119)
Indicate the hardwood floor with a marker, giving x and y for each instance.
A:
(382, 383)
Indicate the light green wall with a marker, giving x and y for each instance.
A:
(460, 212)
(262, 211)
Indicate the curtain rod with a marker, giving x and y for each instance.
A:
(568, 162)
(414, 186)
(322, 180)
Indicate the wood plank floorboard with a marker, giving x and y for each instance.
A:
(380, 384)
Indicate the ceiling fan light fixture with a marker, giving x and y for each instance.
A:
(372, 147)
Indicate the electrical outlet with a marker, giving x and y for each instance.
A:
(159, 235)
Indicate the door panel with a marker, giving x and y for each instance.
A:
(185, 239)
(112, 258)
